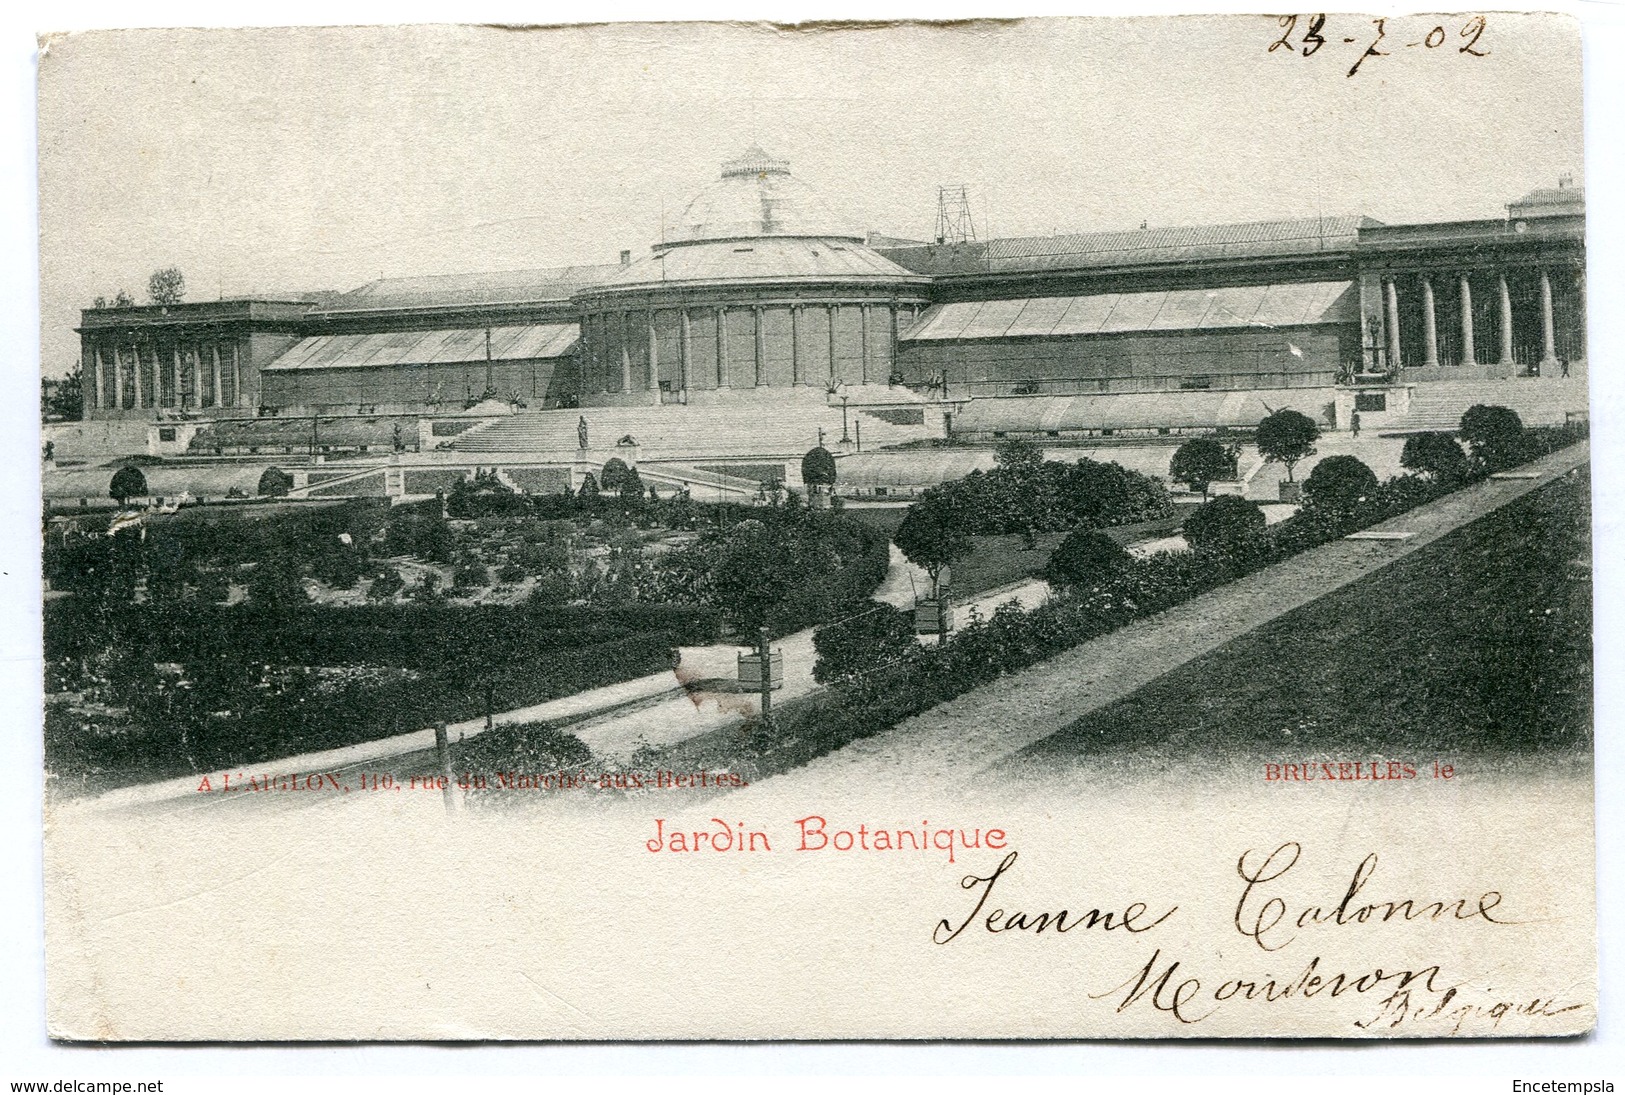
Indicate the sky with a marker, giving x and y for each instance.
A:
(276, 162)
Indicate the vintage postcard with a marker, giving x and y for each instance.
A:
(1034, 528)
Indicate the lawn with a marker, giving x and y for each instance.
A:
(1479, 644)
(1000, 560)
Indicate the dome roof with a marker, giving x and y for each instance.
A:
(756, 260)
(757, 197)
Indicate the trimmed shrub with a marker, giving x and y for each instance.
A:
(818, 467)
(1087, 557)
(1495, 435)
(1435, 454)
(128, 482)
(274, 483)
(855, 647)
(1228, 525)
(1338, 484)
(613, 474)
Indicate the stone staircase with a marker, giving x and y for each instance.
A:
(1539, 401)
(683, 433)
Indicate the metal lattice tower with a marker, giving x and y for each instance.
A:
(954, 224)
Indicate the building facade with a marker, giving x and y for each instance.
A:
(763, 288)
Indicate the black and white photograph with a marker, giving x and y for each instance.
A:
(1038, 528)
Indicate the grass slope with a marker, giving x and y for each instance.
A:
(1479, 644)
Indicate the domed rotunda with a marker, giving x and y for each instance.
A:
(762, 285)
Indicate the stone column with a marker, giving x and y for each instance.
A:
(236, 377)
(1430, 329)
(685, 352)
(1468, 355)
(652, 381)
(1548, 337)
(135, 372)
(180, 396)
(118, 379)
(626, 357)
(96, 373)
(214, 371)
(1390, 297)
(834, 314)
(795, 344)
(761, 346)
(863, 320)
(722, 348)
(1505, 296)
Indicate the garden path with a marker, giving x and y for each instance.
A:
(954, 742)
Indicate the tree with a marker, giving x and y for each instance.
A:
(932, 535)
(64, 398)
(128, 482)
(1198, 462)
(1495, 434)
(751, 572)
(1087, 557)
(818, 467)
(1228, 525)
(1338, 484)
(1017, 455)
(1435, 454)
(1286, 437)
(589, 487)
(166, 286)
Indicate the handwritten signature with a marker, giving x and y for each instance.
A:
(1418, 995)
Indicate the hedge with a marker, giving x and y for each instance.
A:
(1013, 638)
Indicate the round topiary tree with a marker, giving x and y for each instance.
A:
(274, 483)
(818, 467)
(1087, 557)
(1435, 454)
(1338, 484)
(931, 536)
(613, 474)
(1495, 434)
(1200, 461)
(1286, 437)
(1228, 525)
(128, 482)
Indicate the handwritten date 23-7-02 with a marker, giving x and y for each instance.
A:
(1307, 35)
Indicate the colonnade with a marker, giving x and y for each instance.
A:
(1462, 285)
(608, 339)
(215, 375)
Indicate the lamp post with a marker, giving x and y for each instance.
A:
(846, 437)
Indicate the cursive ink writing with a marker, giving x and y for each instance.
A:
(1271, 922)
(998, 921)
